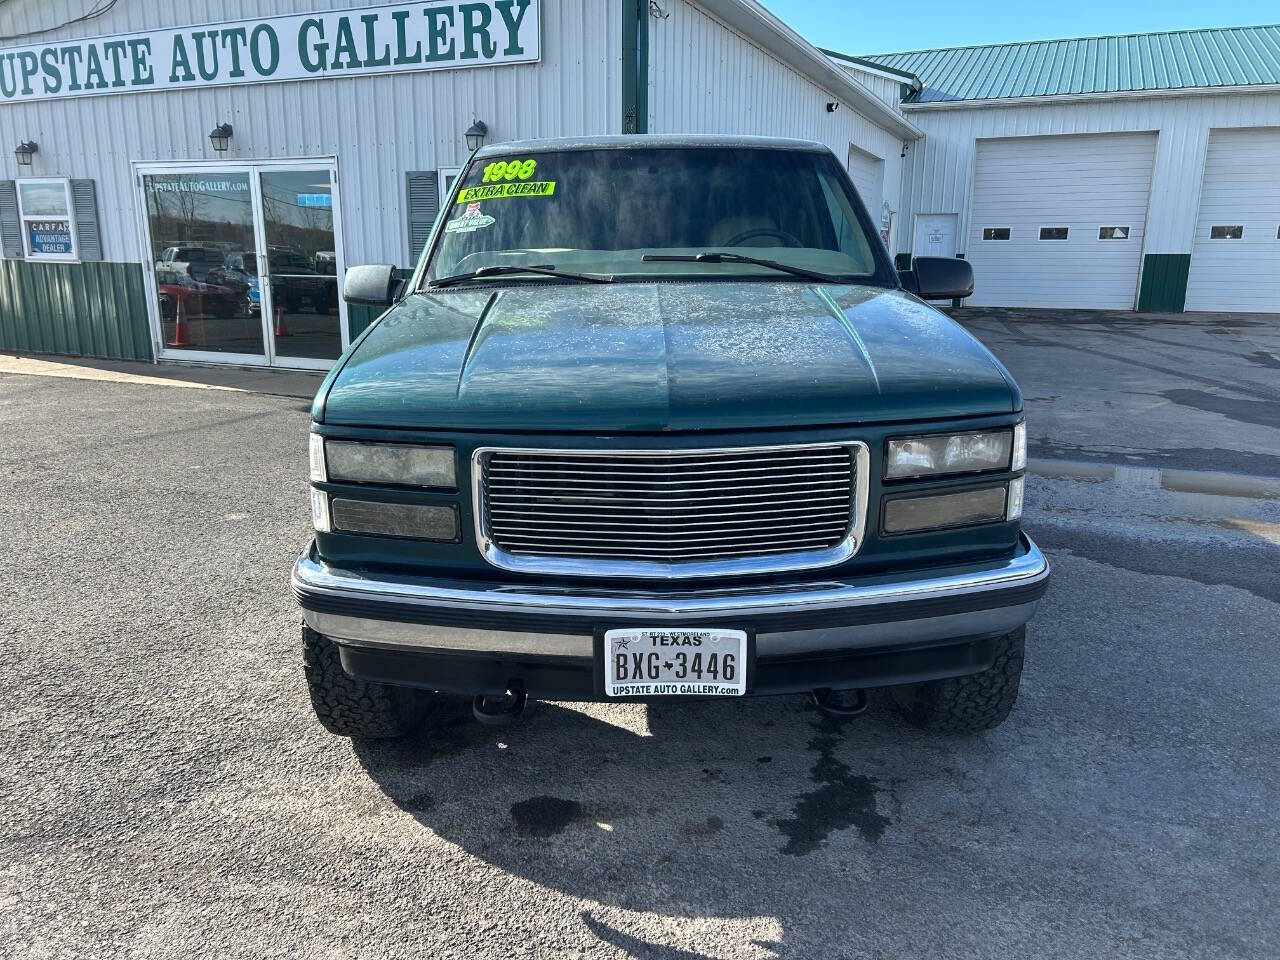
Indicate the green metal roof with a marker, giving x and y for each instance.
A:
(1186, 59)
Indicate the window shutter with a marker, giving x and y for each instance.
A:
(424, 205)
(84, 207)
(10, 226)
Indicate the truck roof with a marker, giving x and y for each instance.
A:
(651, 141)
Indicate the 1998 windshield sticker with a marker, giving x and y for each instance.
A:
(471, 219)
(531, 188)
(510, 170)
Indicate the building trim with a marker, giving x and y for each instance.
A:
(935, 105)
(74, 308)
(870, 66)
(1162, 287)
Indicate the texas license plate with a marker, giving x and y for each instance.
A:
(643, 662)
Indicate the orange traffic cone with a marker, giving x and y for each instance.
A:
(180, 338)
(281, 329)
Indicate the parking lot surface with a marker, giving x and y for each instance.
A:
(167, 793)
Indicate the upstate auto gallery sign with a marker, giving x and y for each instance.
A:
(388, 39)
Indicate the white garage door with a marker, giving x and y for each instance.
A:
(1235, 261)
(1058, 221)
(867, 173)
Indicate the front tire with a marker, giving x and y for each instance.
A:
(357, 708)
(979, 701)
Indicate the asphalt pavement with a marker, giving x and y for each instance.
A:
(167, 793)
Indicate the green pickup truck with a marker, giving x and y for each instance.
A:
(657, 417)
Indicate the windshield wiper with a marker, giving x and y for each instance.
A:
(711, 257)
(499, 270)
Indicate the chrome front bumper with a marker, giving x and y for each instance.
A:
(464, 617)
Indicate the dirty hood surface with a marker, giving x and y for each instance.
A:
(663, 356)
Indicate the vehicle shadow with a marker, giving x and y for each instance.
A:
(731, 810)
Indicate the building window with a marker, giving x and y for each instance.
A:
(995, 233)
(1113, 233)
(448, 176)
(1053, 233)
(1231, 232)
(48, 227)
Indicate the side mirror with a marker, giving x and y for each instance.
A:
(373, 286)
(939, 278)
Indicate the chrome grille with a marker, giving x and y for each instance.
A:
(669, 512)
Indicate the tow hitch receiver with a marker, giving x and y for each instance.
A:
(499, 711)
(840, 703)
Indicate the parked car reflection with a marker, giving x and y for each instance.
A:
(176, 286)
(195, 260)
(298, 282)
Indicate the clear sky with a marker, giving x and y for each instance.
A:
(859, 26)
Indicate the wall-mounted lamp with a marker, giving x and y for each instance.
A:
(832, 106)
(475, 135)
(23, 152)
(904, 150)
(220, 137)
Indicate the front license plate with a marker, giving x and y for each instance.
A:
(643, 662)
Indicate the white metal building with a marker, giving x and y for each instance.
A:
(1138, 171)
(177, 152)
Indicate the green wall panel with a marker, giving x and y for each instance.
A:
(1164, 282)
(359, 317)
(79, 309)
(635, 66)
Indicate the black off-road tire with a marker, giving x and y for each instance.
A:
(979, 701)
(357, 708)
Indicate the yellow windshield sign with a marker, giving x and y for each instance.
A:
(497, 191)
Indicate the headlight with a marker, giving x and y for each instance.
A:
(938, 511)
(413, 521)
(950, 453)
(402, 464)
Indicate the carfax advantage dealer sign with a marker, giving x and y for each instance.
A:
(399, 37)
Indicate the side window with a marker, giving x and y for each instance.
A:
(1228, 232)
(49, 219)
(1113, 233)
(842, 219)
(996, 233)
(849, 236)
(44, 212)
(1053, 233)
(448, 177)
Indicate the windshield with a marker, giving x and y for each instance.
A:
(602, 211)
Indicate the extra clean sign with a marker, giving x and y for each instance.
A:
(396, 38)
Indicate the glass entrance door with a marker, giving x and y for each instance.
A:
(299, 268)
(202, 232)
(245, 261)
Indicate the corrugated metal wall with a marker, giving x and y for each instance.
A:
(379, 127)
(939, 169)
(83, 309)
(705, 78)
(885, 88)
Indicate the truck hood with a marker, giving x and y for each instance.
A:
(668, 356)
